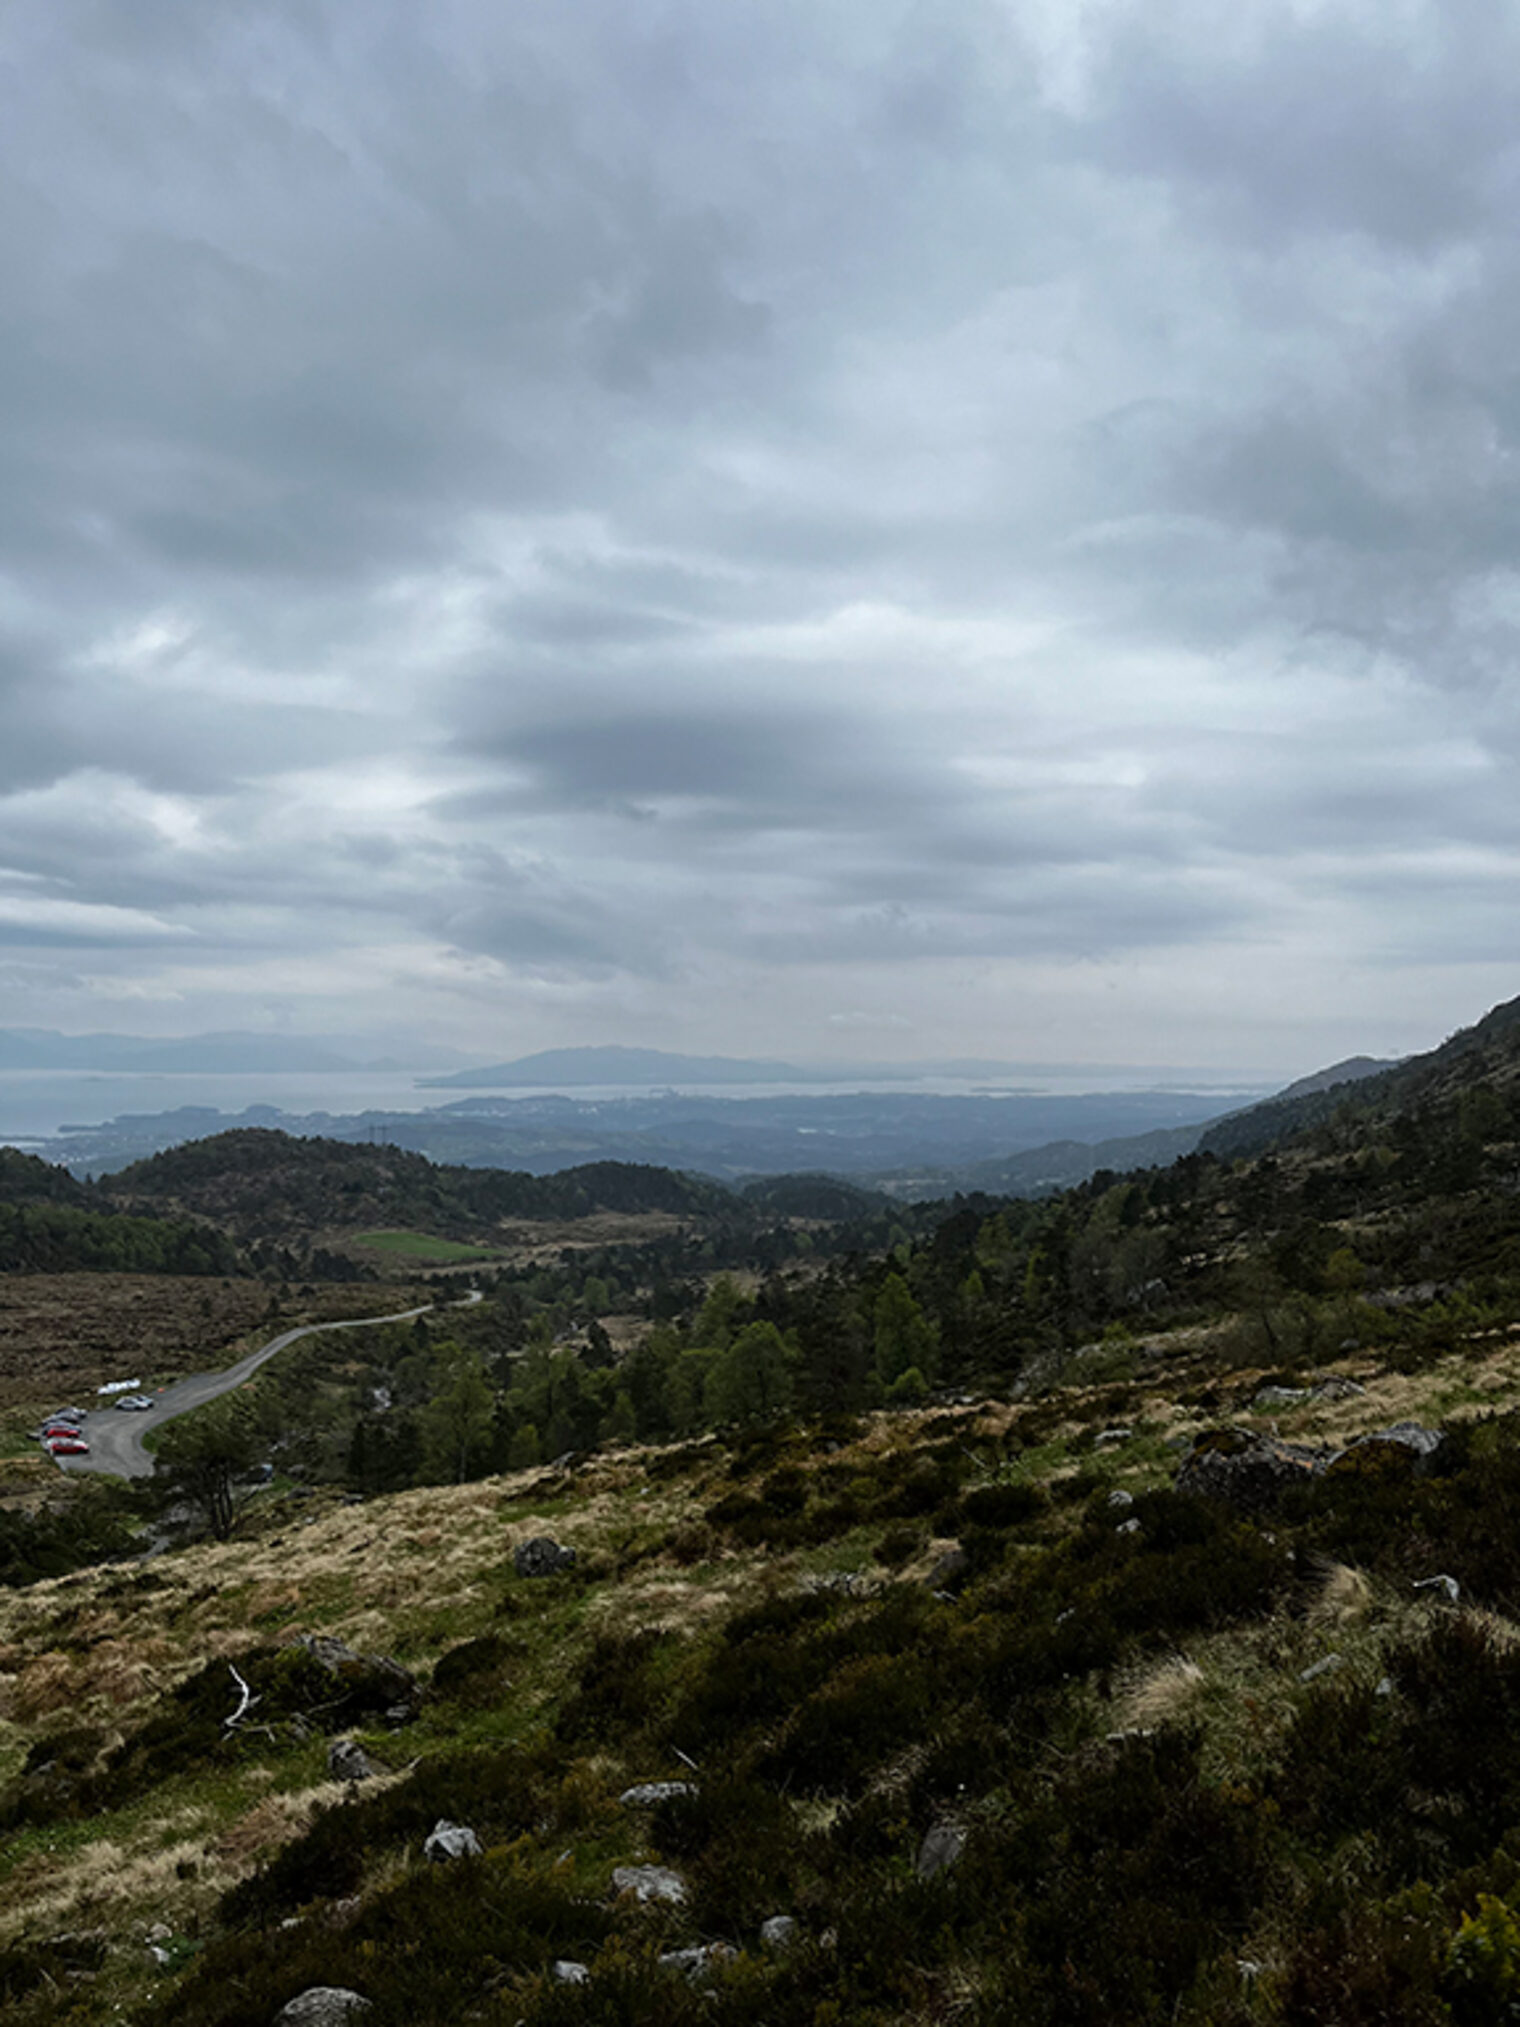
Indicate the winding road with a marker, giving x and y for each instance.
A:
(115, 1435)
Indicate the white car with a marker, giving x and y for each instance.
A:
(137, 1402)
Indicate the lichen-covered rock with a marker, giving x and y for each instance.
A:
(541, 1556)
(322, 2006)
(647, 1794)
(778, 1932)
(566, 1971)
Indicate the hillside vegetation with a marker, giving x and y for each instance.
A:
(923, 1555)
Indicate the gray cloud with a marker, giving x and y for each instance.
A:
(666, 528)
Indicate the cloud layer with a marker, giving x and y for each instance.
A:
(983, 530)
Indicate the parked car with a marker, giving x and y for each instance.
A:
(75, 1415)
(68, 1446)
(135, 1401)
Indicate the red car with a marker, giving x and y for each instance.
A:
(71, 1445)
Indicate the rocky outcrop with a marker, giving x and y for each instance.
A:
(1251, 1471)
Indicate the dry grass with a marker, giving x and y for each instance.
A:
(1345, 1597)
(1165, 1693)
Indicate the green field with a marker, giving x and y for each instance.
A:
(423, 1246)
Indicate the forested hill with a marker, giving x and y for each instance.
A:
(1486, 1055)
(50, 1223)
(259, 1183)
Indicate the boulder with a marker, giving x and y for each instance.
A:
(362, 1684)
(1245, 1469)
(566, 1971)
(348, 1761)
(1404, 1446)
(650, 1883)
(941, 1848)
(322, 2006)
(778, 1932)
(1121, 1501)
(450, 1840)
(541, 1556)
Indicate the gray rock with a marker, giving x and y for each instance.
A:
(1130, 1526)
(348, 1761)
(1413, 1438)
(698, 1962)
(566, 1971)
(450, 1840)
(1337, 1388)
(1106, 1438)
(322, 2006)
(650, 1883)
(541, 1557)
(1279, 1397)
(1327, 1666)
(1120, 1500)
(778, 1932)
(941, 1848)
(646, 1794)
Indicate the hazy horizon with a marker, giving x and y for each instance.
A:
(863, 534)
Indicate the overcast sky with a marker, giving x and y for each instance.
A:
(828, 530)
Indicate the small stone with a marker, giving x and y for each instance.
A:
(1105, 1438)
(1385, 1687)
(1449, 1588)
(1131, 1526)
(647, 1794)
(565, 1971)
(1119, 1500)
(778, 1932)
(541, 1556)
(348, 1761)
(941, 1848)
(451, 1840)
(649, 1883)
(322, 2006)
(1327, 1666)
(948, 1568)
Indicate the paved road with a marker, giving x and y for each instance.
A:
(115, 1435)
